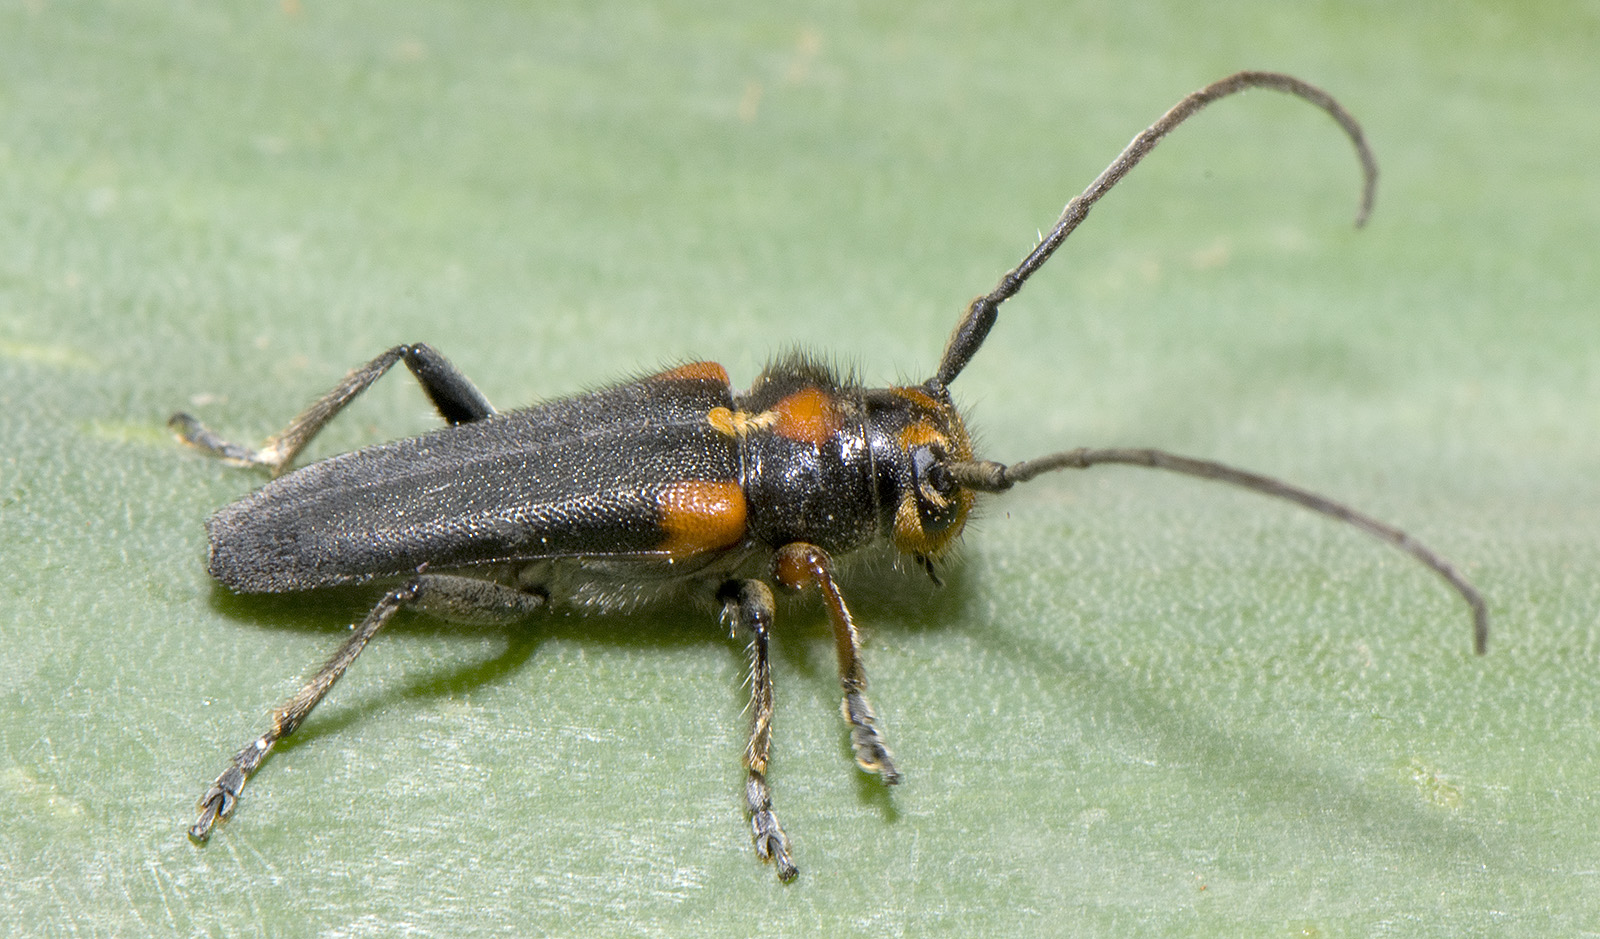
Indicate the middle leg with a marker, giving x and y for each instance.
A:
(749, 605)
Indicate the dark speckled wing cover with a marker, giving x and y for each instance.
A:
(576, 477)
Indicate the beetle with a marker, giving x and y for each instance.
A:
(667, 487)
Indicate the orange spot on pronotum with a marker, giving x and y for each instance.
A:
(807, 415)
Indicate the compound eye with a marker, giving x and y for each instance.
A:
(937, 505)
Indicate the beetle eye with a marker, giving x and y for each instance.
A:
(936, 488)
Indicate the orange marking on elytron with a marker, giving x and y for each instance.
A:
(700, 516)
(696, 371)
(808, 416)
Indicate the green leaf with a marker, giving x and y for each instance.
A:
(1142, 705)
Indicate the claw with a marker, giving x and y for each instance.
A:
(775, 848)
(218, 803)
(771, 843)
(215, 807)
(871, 753)
(222, 798)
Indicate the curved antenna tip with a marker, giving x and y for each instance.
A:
(980, 317)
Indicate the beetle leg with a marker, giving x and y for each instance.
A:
(459, 598)
(453, 395)
(750, 606)
(474, 600)
(797, 565)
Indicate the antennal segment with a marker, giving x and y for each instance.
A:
(988, 476)
(980, 318)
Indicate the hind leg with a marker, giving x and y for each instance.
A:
(453, 395)
(450, 597)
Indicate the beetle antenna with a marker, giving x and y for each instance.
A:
(980, 317)
(988, 476)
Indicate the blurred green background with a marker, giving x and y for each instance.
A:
(1142, 704)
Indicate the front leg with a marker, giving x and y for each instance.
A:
(799, 565)
(748, 605)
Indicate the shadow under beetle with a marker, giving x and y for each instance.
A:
(667, 487)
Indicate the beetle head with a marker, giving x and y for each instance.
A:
(916, 438)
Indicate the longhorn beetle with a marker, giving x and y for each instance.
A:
(670, 486)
